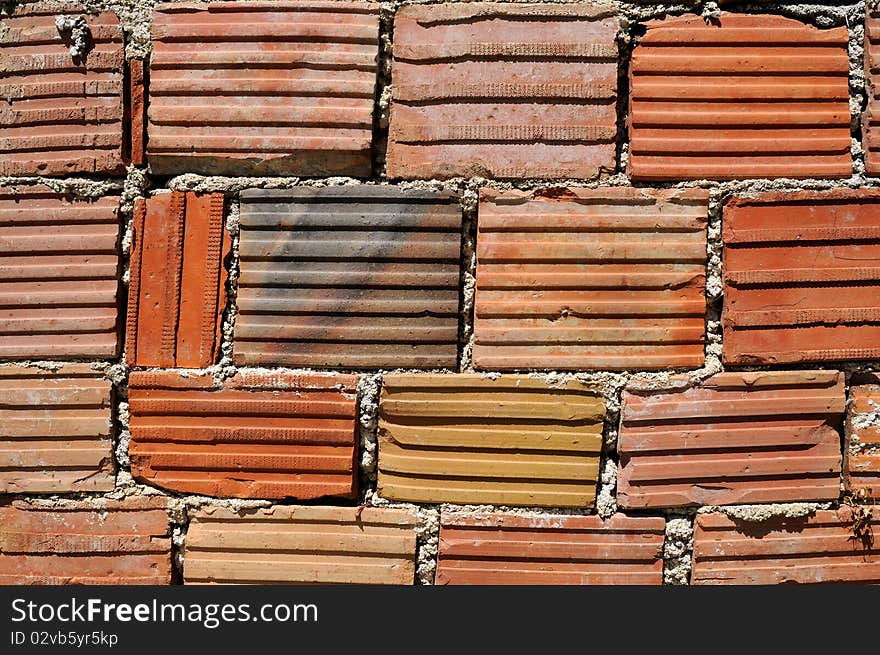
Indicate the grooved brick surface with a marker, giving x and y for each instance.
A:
(117, 542)
(137, 107)
(349, 277)
(549, 549)
(177, 288)
(61, 114)
(815, 549)
(326, 545)
(508, 440)
(59, 275)
(746, 96)
(261, 435)
(611, 278)
(802, 277)
(503, 90)
(764, 437)
(281, 88)
(55, 430)
(861, 470)
(870, 119)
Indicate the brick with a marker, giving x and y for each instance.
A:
(549, 549)
(59, 270)
(861, 469)
(802, 277)
(760, 437)
(870, 122)
(61, 115)
(177, 289)
(349, 277)
(137, 111)
(55, 430)
(326, 545)
(505, 91)
(105, 543)
(509, 440)
(259, 435)
(258, 88)
(608, 278)
(746, 96)
(817, 549)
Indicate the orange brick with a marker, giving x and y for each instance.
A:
(861, 470)
(870, 119)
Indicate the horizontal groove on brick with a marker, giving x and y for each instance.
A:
(280, 89)
(870, 120)
(550, 549)
(591, 279)
(259, 435)
(314, 545)
(62, 114)
(820, 548)
(102, 542)
(862, 443)
(505, 91)
(507, 440)
(743, 96)
(59, 270)
(759, 437)
(802, 277)
(349, 277)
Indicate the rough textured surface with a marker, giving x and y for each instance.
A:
(351, 545)
(137, 107)
(550, 549)
(505, 440)
(871, 119)
(503, 90)
(862, 452)
(608, 278)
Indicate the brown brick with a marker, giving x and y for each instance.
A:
(260, 435)
(861, 468)
(61, 114)
(815, 549)
(549, 549)
(105, 543)
(177, 289)
(282, 88)
(503, 90)
(59, 269)
(802, 277)
(349, 277)
(591, 279)
(744, 96)
(870, 121)
(137, 107)
(759, 437)
(508, 440)
(326, 545)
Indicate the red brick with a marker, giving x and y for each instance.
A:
(177, 289)
(137, 111)
(59, 269)
(816, 549)
(260, 435)
(549, 549)
(870, 121)
(741, 97)
(281, 88)
(62, 115)
(489, 89)
(861, 470)
(608, 278)
(802, 277)
(759, 437)
(105, 543)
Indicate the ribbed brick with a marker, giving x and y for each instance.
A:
(349, 277)
(61, 114)
(870, 118)
(177, 289)
(59, 270)
(111, 543)
(742, 96)
(861, 470)
(55, 430)
(737, 438)
(137, 107)
(280, 88)
(326, 545)
(260, 435)
(815, 549)
(503, 90)
(507, 440)
(802, 277)
(492, 549)
(591, 279)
